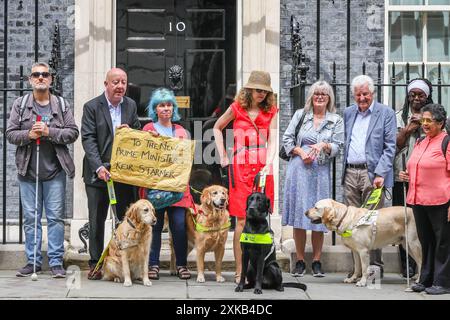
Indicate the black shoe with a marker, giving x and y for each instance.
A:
(27, 271)
(437, 290)
(418, 287)
(299, 270)
(317, 269)
(58, 272)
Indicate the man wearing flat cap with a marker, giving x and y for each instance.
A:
(408, 131)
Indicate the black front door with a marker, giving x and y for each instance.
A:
(186, 45)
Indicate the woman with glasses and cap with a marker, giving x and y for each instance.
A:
(428, 175)
(254, 133)
(419, 93)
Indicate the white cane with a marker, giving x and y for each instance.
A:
(408, 288)
(34, 276)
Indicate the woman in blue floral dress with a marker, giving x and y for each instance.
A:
(308, 178)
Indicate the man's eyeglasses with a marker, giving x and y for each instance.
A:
(426, 121)
(261, 91)
(38, 74)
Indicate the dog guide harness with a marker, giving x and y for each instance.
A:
(125, 244)
(259, 238)
(369, 219)
(256, 238)
(201, 228)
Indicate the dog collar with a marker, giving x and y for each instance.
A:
(256, 238)
(131, 223)
(342, 219)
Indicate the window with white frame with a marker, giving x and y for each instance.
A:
(418, 33)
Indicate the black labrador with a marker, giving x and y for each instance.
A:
(259, 263)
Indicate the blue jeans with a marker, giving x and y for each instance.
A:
(51, 194)
(177, 227)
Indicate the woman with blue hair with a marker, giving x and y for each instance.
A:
(159, 96)
(163, 111)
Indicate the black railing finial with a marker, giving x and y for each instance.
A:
(297, 50)
(54, 61)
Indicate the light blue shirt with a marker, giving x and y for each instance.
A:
(116, 117)
(164, 131)
(116, 113)
(357, 148)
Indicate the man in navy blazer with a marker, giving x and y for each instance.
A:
(370, 136)
(102, 116)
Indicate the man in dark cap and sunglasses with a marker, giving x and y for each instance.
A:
(42, 125)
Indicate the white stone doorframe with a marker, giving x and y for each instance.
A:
(258, 49)
(93, 58)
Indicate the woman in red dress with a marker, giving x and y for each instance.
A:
(254, 149)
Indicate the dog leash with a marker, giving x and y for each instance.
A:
(260, 181)
(371, 202)
(373, 199)
(195, 190)
(112, 203)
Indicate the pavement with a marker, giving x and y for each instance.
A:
(77, 287)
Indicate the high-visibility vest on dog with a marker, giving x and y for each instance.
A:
(256, 238)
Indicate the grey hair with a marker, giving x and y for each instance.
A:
(40, 64)
(362, 80)
(437, 112)
(321, 85)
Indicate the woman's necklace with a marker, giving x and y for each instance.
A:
(253, 113)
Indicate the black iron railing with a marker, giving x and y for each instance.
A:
(21, 90)
(300, 68)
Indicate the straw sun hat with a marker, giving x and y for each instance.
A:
(259, 80)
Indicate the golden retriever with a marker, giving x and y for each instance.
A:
(388, 229)
(127, 257)
(211, 232)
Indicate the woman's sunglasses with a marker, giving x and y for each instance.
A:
(426, 121)
(261, 91)
(38, 74)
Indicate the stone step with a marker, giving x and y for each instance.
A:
(334, 258)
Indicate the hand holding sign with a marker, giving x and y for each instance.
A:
(139, 158)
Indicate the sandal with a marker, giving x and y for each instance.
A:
(237, 278)
(183, 273)
(153, 272)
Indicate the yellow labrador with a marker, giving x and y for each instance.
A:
(127, 257)
(388, 229)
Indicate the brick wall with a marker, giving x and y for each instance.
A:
(367, 45)
(20, 51)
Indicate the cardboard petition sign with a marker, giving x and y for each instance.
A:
(140, 159)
